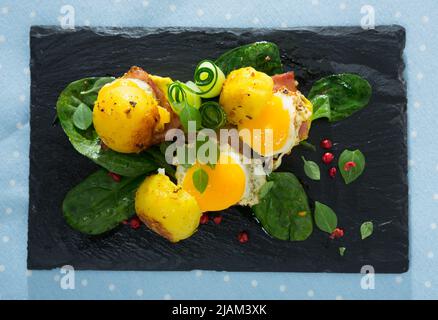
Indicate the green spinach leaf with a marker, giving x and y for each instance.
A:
(264, 190)
(342, 251)
(351, 164)
(87, 141)
(190, 113)
(283, 210)
(262, 56)
(98, 204)
(325, 218)
(83, 117)
(200, 180)
(97, 85)
(321, 107)
(366, 229)
(311, 169)
(307, 145)
(338, 96)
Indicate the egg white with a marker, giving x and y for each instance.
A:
(298, 113)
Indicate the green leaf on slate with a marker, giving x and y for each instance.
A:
(325, 218)
(351, 173)
(338, 96)
(366, 229)
(283, 210)
(342, 251)
(311, 169)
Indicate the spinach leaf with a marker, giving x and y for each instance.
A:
(83, 117)
(311, 169)
(321, 107)
(262, 56)
(283, 210)
(87, 141)
(342, 251)
(190, 113)
(307, 145)
(98, 204)
(338, 96)
(366, 229)
(265, 188)
(97, 85)
(351, 164)
(200, 180)
(325, 218)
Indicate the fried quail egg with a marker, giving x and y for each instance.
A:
(278, 128)
(234, 180)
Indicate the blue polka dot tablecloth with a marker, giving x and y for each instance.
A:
(419, 18)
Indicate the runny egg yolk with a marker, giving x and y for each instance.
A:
(269, 132)
(226, 184)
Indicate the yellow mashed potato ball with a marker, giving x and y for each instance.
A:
(166, 208)
(245, 93)
(125, 116)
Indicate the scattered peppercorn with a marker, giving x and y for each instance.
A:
(217, 219)
(332, 172)
(243, 237)
(327, 157)
(337, 233)
(326, 144)
(115, 176)
(135, 223)
(204, 219)
(348, 165)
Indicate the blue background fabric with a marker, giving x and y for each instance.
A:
(420, 21)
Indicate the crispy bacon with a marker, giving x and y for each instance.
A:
(303, 132)
(138, 73)
(285, 80)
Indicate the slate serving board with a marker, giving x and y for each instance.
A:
(59, 57)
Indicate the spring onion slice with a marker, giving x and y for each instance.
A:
(212, 114)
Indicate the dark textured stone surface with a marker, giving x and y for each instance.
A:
(381, 194)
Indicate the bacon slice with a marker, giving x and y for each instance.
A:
(303, 132)
(285, 80)
(138, 73)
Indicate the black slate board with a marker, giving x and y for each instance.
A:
(381, 194)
